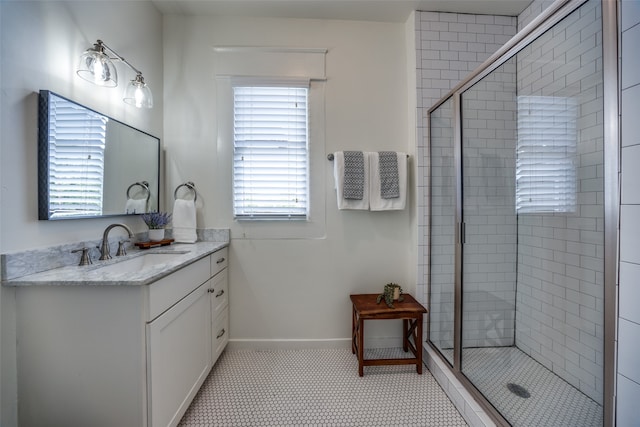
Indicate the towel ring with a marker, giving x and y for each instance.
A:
(191, 186)
(144, 185)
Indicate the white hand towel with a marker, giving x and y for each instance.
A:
(135, 206)
(338, 173)
(184, 221)
(377, 203)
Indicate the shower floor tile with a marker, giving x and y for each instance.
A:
(552, 401)
(317, 387)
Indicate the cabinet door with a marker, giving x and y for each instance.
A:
(179, 357)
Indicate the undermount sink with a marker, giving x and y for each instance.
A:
(140, 262)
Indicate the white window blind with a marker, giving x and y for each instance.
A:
(76, 165)
(270, 158)
(546, 155)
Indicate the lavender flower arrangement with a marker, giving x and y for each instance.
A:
(156, 220)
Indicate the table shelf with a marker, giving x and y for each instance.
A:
(365, 307)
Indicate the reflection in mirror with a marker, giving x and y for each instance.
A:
(91, 165)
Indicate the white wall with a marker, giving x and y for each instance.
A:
(40, 46)
(628, 376)
(59, 32)
(295, 285)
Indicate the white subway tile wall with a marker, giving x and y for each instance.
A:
(630, 14)
(559, 305)
(628, 379)
(630, 124)
(629, 292)
(627, 399)
(532, 11)
(631, 55)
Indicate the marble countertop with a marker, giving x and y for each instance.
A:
(93, 274)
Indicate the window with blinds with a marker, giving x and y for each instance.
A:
(270, 157)
(76, 159)
(546, 179)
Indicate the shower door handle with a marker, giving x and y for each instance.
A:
(461, 233)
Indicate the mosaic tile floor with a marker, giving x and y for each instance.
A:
(318, 387)
(552, 402)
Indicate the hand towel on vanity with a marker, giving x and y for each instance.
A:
(135, 206)
(354, 172)
(387, 183)
(184, 221)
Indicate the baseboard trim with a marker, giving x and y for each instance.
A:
(286, 344)
(283, 344)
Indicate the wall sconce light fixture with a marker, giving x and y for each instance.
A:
(98, 68)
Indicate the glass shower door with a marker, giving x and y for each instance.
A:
(490, 223)
(533, 214)
(489, 175)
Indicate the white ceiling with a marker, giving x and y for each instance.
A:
(360, 10)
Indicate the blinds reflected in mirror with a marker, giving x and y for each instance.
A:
(76, 151)
(546, 180)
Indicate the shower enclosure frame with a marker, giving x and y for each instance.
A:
(611, 127)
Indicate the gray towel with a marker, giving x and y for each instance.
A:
(353, 184)
(389, 179)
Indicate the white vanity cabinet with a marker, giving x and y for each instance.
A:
(113, 356)
(180, 340)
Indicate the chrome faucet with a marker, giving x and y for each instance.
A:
(104, 247)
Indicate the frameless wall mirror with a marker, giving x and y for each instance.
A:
(90, 165)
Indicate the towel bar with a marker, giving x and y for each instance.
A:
(144, 185)
(330, 157)
(191, 186)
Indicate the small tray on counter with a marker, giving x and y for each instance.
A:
(151, 244)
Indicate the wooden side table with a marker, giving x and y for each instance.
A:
(410, 311)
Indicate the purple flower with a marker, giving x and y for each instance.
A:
(156, 220)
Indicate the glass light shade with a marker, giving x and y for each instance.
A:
(138, 94)
(96, 67)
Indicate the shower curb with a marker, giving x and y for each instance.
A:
(470, 410)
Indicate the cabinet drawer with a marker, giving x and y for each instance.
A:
(220, 336)
(170, 289)
(219, 289)
(219, 261)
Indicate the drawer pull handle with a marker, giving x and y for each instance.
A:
(220, 260)
(219, 294)
(222, 332)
